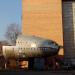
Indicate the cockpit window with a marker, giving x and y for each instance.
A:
(50, 42)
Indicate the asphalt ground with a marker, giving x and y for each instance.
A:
(30, 72)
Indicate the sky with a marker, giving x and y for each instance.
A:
(10, 12)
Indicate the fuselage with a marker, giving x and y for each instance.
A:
(31, 46)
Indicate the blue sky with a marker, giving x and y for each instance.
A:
(10, 12)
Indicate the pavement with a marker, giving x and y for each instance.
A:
(30, 72)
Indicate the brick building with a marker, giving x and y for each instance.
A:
(43, 19)
(52, 19)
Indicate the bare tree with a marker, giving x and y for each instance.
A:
(12, 32)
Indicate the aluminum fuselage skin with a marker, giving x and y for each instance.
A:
(31, 46)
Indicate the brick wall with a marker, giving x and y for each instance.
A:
(43, 18)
